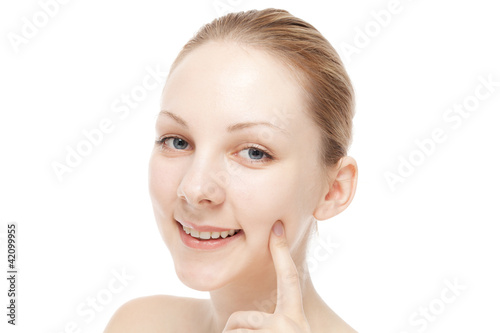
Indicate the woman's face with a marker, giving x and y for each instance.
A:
(236, 150)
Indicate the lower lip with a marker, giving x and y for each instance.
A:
(209, 244)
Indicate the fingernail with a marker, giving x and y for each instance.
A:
(278, 228)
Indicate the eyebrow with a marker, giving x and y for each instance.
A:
(230, 128)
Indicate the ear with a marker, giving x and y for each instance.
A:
(343, 178)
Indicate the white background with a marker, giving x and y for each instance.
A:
(397, 248)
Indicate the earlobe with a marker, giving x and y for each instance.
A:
(340, 191)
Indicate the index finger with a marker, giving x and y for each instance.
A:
(289, 292)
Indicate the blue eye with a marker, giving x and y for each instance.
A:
(179, 143)
(176, 143)
(257, 155)
(253, 152)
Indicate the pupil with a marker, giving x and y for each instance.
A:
(255, 153)
(179, 143)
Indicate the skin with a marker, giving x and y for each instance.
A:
(212, 176)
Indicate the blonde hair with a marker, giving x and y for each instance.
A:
(300, 46)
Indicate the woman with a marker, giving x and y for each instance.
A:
(255, 123)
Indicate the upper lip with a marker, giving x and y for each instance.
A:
(203, 227)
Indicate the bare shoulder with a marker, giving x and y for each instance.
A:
(159, 313)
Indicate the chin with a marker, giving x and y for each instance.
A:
(202, 280)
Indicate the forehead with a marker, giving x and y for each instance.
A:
(234, 81)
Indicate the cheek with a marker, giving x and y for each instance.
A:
(163, 183)
(260, 199)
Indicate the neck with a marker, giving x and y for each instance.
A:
(255, 294)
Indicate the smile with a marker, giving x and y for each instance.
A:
(208, 240)
(204, 235)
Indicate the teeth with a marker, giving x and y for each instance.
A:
(208, 234)
(205, 235)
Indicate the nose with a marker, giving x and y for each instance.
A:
(203, 184)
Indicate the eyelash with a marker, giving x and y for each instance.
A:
(267, 155)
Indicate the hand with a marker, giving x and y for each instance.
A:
(288, 316)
